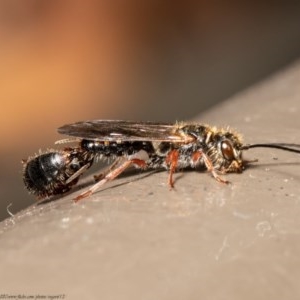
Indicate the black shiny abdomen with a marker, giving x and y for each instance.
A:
(50, 173)
(41, 171)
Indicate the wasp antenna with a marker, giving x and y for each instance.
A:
(281, 146)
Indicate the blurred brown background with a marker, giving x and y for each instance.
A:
(65, 61)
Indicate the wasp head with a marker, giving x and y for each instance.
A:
(225, 152)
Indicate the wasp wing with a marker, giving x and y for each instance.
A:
(112, 130)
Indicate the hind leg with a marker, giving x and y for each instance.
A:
(112, 175)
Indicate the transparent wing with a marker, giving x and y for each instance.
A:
(112, 130)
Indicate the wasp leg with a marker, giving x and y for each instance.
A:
(211, 168)
(111, 175)
(78, 173)
(172, 161)
(107, 170)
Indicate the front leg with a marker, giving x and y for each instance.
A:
(209, 165)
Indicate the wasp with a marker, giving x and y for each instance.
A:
(145, 145)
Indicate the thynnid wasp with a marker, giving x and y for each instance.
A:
(146, 145)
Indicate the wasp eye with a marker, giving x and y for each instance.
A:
(227, 150)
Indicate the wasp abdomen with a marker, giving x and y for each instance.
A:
(41, 171)
(55, 172)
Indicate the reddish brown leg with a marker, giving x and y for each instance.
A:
(172, 161)
(78, 173)
(211, 168)
(107, 170)
(110, 176)
(196, 157)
